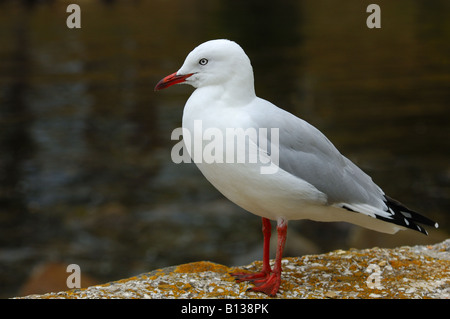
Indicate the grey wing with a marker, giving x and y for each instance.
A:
(315, 159)
(306, 153)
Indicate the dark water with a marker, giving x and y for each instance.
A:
(85, 169)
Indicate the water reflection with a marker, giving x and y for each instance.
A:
(15, 142)
(85, 170)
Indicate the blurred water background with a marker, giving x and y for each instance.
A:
(85, 170)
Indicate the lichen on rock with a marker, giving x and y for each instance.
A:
(404, 272)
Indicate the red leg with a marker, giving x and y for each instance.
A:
(267, 232)
(264, 273)
(272, 283)
(269, 282)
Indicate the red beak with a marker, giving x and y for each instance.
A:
(171, 80)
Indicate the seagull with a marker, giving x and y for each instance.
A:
(311, 180)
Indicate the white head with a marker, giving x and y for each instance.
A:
(214, 63)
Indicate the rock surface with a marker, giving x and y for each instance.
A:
(404, 272)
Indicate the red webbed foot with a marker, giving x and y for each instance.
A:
(268, 280)
(269, 285)
(252, 276)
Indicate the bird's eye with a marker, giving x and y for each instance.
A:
(203, 61)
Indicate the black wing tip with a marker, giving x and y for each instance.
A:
(403, 216)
